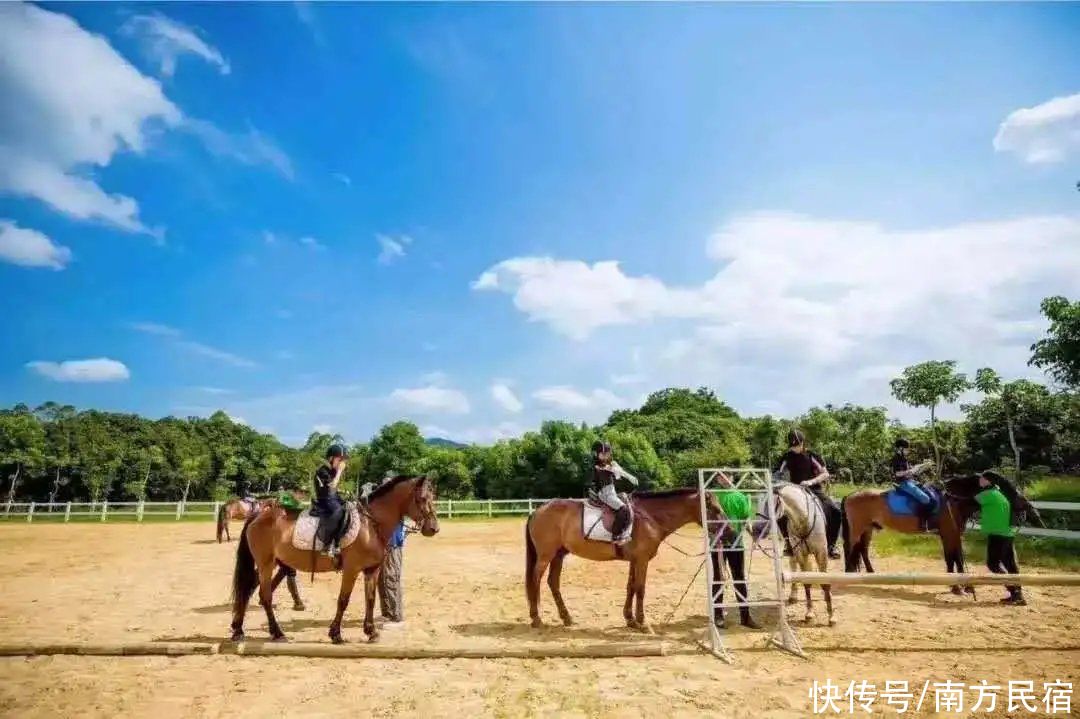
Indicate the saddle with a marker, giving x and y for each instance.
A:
(597, 519)
(306, 534)
(900, 503)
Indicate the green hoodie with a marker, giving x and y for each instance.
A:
(996, 513)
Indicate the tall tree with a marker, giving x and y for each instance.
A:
(397, 448)
(929, 384)
(22, 446)
(1059, 352)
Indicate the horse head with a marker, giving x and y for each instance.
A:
(966, 487)
(422, 506)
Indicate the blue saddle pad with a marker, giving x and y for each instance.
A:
(900, 503)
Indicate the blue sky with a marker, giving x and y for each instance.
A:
(481, 216)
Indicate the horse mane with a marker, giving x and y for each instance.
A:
(388, 485)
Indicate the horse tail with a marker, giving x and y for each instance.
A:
(532, 589)
(223, 511)
(245, 578)
(845, 532)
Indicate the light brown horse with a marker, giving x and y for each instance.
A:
(555, 530)
(266, 541)
(867, 510)
(235, 508)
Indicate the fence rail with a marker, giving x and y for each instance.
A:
(448, 508)
(176, 511)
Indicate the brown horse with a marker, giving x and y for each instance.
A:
(266, 541)
(555, 530)
(235, 508)
(867, 510)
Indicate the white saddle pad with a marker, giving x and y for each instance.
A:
(306, 526)
(592, 525)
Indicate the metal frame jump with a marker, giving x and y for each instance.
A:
(757, 484)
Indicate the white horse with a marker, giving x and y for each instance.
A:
(806, 535)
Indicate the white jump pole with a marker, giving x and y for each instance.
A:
(844, 579)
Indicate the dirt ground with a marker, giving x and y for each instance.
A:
(463, 588)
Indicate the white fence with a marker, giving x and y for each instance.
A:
(158, 511)
(448, 508)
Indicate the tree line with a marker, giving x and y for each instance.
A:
(57, 453)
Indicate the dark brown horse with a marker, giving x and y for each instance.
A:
(235, 508)
(867, 510)
(555, 530)
(266, 542)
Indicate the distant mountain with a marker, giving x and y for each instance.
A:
(441, 442)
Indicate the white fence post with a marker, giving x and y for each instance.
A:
(449, 509)
(104, 509)
(139, 510)
(530, 505)
(489, 509)
(217, 508)
(67, 512)
(30, 513)
(179, 510)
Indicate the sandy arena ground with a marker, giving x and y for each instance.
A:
(166, 582)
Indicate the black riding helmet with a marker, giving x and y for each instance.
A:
(901, 443)
(337, 450)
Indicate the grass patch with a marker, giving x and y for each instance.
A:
(1041, 552)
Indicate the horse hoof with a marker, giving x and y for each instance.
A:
(278, 638)
(792, 600)
(373, 638)
(832, 622)
(237, 637)
(537, 623)
(809, 619)
(337, 639)
(645, 629)
(957, 591)
(567, 622)
(299, 607)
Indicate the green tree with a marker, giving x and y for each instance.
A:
(1059, 352)
(930, 384)
(1021, 412)
(447, 467)
(636, 455)
(22, 446)
(397, 448)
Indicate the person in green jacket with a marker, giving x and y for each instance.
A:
(996, 523)
(737, 509)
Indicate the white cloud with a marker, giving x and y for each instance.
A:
(155, 328)
(392, 248)
(269, 237)
(628, 379)
(305, 12)
(216, 354)
(71, 102)
(214, 390)
(505, 397)
(248, 148)
(482, 434)
(567, 398)
(29, 248)
(431, 399)
(312, 243)
(853, 283)
(1043, 134)
(323, 428)
(164, 40)
(342, 178)
(203, 350)
(101, 369)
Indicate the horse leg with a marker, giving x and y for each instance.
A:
(794, 564)
(538, 571)
(640, 575)
(348, 580)
(628, 607)
(853, 539)
(826, 589)
(864, 549)
(266, 599)
(371, 588)
(804, 565)
(554, 575)
(288, 574)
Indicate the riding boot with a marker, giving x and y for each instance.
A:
(746, 619)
